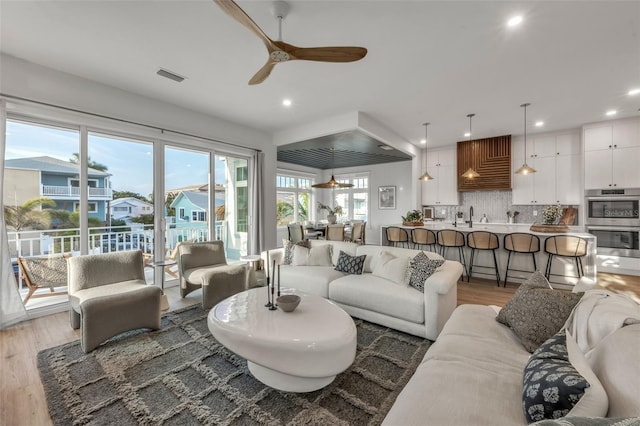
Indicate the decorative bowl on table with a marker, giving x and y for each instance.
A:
(288, 302)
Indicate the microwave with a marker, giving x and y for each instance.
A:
(613, 207)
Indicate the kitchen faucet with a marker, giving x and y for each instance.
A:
(470, 217)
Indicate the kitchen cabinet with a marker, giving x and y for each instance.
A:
(556, 158)
(442, 189)
(612, 154)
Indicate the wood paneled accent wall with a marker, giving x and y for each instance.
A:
(491, 157)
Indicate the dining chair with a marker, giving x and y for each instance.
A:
(334, 232)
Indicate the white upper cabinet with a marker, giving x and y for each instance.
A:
(557, 162)
(442, 189)
(612, 154)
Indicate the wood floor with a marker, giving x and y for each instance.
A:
(22, 400)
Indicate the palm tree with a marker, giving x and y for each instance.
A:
(75, 159)
(29, 214)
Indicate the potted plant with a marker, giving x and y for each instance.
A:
(332, 213)
(413, 218)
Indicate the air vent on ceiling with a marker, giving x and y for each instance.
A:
(170, 75)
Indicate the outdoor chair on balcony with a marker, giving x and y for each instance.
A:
(108, 295)
(204, 265)
(44, 272)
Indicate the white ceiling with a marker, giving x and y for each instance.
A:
(431, 61)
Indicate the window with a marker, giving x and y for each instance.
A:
(293, 199)
(75, 183)
(92, 207)
(199, 216)
(241, 174)
(355, 200)
(181, 214)
(242, 208)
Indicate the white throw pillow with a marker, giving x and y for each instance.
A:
(392, 268)
(594, 402)
(315, 256)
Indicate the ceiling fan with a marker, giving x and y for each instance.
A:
(280, 51)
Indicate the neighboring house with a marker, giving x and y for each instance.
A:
(27, 178)
(129, 207)
(191, 208)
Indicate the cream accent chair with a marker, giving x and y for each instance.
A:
(204, 265)
(109, 295)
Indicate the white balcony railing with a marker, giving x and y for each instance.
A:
(105, 240)
(74, 192)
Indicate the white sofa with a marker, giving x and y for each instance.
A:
(373, 298)
(473, 374)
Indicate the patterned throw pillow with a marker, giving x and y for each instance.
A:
(421, 268)
(350, 264)
(552, 386)
(288, 249)
(537, 313)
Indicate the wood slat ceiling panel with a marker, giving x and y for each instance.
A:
(491, 158)
(352, 148)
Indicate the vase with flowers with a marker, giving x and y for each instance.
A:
(332, 212)
(551, 214)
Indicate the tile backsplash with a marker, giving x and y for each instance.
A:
(494, 204)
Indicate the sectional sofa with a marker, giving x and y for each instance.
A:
(372, 297)
(473, 374)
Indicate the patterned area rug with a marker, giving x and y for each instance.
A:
(180, 375)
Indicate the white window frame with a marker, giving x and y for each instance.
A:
(350, 178)
(196, 215)
(76, 206)
(297, 190)
(89, 182)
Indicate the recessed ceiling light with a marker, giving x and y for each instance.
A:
(539, 123)
(385, 147)
(515, 21)
(611, 112)
(466, 135)
(423, 141)
(286, 102)
(634, 92)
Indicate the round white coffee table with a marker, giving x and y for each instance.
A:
(299, 351)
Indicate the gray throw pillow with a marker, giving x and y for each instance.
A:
(421, 268)
(537, 313)
(551, 385)
(288, 249)
(350, 264)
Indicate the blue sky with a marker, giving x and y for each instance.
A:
(129, 162)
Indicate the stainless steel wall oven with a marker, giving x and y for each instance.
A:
(613, 216)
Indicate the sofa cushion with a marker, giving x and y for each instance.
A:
(350, 264)
(310, 279)
(335, 247)
(536, 313)
(472, 375)
(373, 252)
(314, 256)
(288, 249)
(552, 386)
(380, 295)
(421, 268)
(392, 268)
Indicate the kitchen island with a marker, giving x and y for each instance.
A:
(561, 265)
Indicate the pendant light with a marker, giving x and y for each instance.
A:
(470, 173)
(333, 183)
(525, 169)
(426, 176)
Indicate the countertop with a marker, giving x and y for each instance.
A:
(495, 227)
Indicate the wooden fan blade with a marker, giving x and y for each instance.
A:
(263, 73)
(324, 54)
(233, 10)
